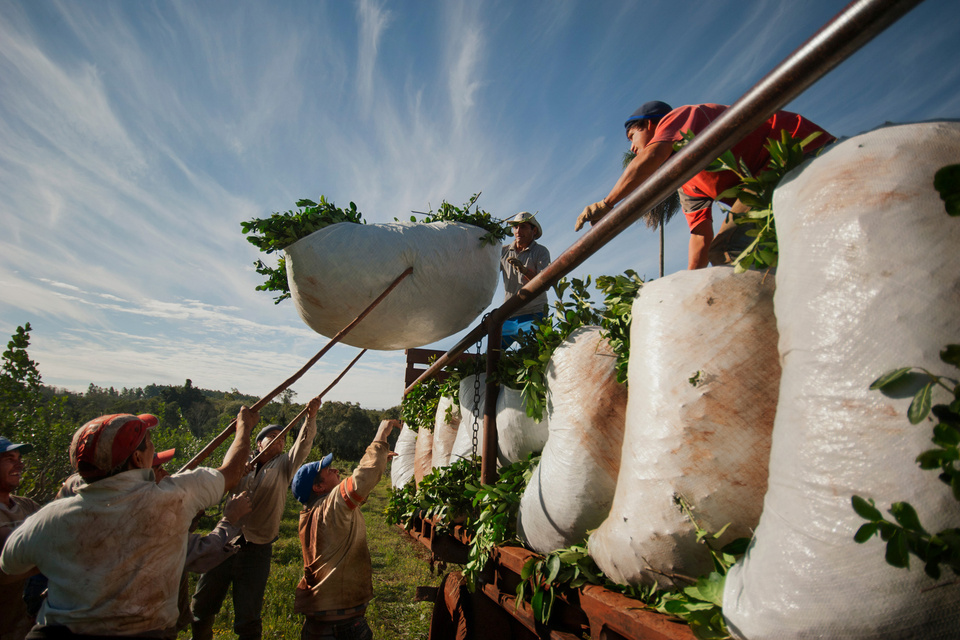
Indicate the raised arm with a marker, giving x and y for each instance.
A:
(301, 448)
(235, 461)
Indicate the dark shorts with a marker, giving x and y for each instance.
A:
(352, 629)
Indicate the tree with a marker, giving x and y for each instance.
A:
(26, 416)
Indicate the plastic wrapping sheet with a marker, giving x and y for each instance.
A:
(401, 466)
(868, 281)
(572, 488)
(336, 272)
(445, 431)
(703, 379)
(423, 454)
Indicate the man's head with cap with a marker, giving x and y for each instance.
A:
(11, 464)
(110, 444)
(653, 110)
(268, 441)
(314, 477)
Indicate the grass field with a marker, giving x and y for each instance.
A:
(400, 565)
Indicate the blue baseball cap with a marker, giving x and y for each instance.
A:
(305, 476)
(6, 445)
(648, 110)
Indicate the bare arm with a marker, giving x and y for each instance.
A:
(650, 158)
(235, 461)
(308, 432)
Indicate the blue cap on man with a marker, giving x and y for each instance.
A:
(648, 110)
(303, 479)
(7, 445)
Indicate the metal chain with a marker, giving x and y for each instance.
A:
(476, 400)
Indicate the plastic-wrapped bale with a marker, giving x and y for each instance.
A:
(423, 454)
(868, 281)
(445, 431)
(401, 467)
(517, 433)
(336, 272)
(703, 380)
(572, 488)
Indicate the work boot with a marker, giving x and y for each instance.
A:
(202, 629)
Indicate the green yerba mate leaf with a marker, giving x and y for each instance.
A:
(951, 355)
(866, 509)
(889, 377)
(865, 532)
(906, 515)
(898, 554)
(920, 406)
(947, 182)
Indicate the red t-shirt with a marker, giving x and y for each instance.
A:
(710, 184)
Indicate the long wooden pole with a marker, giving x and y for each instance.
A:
(283, 432)
(262, 402)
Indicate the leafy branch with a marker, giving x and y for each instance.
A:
(905, 536)
(281, 230)
(446, 212)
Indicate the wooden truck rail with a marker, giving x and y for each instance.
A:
(591, 609)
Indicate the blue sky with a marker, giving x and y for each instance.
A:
(136, 136)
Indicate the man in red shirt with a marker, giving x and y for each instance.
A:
(655, 127)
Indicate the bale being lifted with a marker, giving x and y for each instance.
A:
(334, 266)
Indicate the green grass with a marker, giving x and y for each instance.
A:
(400, 565)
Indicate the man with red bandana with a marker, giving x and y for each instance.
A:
(655, 127)
(114, 553)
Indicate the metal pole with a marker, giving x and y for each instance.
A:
(283, 432)
(262, 402)
(488, 465)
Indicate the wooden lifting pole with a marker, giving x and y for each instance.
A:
(303, 412)
(262, 402)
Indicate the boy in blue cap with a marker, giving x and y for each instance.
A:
(337, 578)
(655, 127)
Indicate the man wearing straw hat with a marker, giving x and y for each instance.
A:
(113, 554)
(248, 570)
(520, 261)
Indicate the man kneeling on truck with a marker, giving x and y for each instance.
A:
(337, 578)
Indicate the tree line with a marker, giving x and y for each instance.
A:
(47, 418)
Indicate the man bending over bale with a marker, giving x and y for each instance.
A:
(337, 578)
(113, 554)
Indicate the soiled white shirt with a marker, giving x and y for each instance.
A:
(113, 553)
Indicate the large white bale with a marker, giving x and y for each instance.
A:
(868, 281)
(706, 441)
(423, 454)
(336, 272)
(445, 431)
(517, 434)
(401, 467)
(572, 488)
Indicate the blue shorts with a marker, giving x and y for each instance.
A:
(515, 325)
